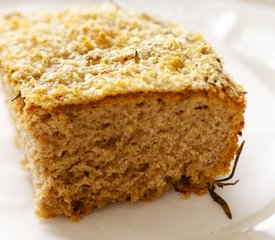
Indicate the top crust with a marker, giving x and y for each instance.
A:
(78, 56)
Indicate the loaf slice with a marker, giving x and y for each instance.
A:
(113, 105)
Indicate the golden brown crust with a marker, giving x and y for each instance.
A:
(239, 103)
(84, 55)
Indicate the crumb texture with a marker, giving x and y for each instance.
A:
(126, 148)
(81, 55)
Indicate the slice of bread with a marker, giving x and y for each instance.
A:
(113, 105)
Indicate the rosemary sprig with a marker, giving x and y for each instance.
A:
(17, 96)
(222, 182)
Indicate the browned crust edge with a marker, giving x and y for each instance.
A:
(212, 93)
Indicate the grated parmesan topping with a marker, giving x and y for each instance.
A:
(77, 56)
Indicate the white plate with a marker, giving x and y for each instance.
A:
(244, 33)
